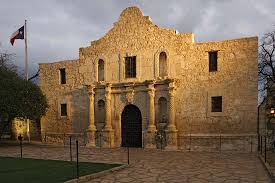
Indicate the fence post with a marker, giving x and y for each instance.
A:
(142, 139)
(190, 142)
(128, 150)
(264, 148)
(71, 156)
(77, 166)
(20, 139)
(64, 138)
(251, 143)
(100, 140)
(261, 144)
(45, 137)
(84, 138)
(21, 151)
(128, 154)
(161, 141)
(220, 142)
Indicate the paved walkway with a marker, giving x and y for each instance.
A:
(159, 166)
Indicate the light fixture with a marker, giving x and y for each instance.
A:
(272, 111)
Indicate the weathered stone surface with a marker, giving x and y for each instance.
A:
(187, 76)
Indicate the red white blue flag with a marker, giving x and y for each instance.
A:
(19, 34)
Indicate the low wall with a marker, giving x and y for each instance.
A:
(186, 142)
(64, 138)
(218, 142)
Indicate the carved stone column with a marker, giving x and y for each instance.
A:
(171, 130)
(92, 128)
(108, 132)
(151, 130)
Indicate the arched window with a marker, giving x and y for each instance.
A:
(162, 64)
(162, 110)
(100, 70)
(101, 111)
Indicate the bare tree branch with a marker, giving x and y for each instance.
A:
(266, 63)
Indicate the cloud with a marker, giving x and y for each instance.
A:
(56, 29)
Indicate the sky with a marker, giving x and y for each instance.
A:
(58, 28)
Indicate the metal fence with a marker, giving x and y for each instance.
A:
(185, 142)
(188, 142)
(218, 142)
(267, 148)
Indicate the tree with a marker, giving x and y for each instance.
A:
(266, 64)
(18, 97)
(5, 62)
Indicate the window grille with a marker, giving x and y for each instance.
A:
(130, 67)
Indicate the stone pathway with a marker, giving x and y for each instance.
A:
(159, 166)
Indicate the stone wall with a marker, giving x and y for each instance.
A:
(71, 93)
(187, 63)
(218, 142)
(64, 138)
(20, 127)
(235, 80)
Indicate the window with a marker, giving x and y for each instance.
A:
(162, 110)
(162, 64)
(100, 70)
(130, 67)
(62, 76)
(216, 104)
(213, 61)
(63, 109)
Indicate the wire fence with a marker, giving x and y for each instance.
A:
(185, 142)
(73, 150)
(218, 142)
(267, 148)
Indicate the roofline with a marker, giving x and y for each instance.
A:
(57, 62)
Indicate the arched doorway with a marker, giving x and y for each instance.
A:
(131, 127)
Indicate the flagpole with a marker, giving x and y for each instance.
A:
(27, 73)
(26, 52)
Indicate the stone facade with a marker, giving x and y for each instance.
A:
(170, 67)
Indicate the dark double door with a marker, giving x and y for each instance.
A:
(131, 127)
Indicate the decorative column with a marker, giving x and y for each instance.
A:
(108, 132)
(91, 131)
(171, 130)
(151, 130)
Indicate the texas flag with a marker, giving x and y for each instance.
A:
(19, 34)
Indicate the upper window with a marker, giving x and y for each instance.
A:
(213, 61)
(62, 76)
(130, 67)
(63, 110)
(162, 64)
(100, 70)
(216, 104)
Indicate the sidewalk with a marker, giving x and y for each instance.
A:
(155, 165)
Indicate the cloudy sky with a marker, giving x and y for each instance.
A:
(57, 28)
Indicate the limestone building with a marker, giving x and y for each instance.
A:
(140, 80)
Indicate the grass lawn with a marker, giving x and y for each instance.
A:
(36, 170)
